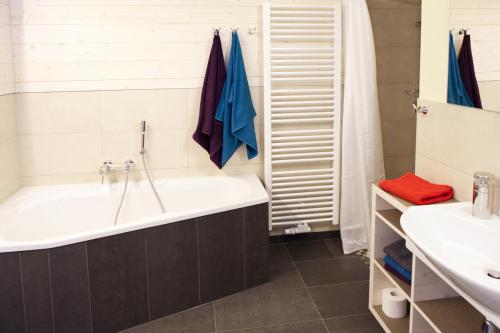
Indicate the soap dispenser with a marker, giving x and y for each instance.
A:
(482, 197)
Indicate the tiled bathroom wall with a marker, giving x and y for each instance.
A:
(88, 72)
(64, 136)
(397, 40)
(9, 166)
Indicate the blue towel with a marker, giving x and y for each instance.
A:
(457, 94)
(235, 109)
(398, 268)
(400, 254)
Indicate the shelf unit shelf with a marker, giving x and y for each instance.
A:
(394, 325)
(434, 306)
(405, 288)
(451, 315)
(392, 218)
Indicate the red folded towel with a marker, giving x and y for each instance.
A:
(417, 190)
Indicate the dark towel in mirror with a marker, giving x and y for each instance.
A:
(468, 73)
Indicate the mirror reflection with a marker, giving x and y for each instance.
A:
(474, 54)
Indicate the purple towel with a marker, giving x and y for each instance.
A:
(468, 73)
(209, 130)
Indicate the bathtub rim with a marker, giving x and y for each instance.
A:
(259, 196)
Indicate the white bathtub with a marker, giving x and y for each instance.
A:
(50, 216)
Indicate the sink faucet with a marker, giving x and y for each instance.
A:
(488, 327)
(108, 166)
(482, 197)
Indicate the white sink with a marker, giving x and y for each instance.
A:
(462, 247)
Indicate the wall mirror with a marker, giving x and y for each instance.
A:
(460, 53)
(474, 54)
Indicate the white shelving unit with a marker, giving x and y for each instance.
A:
(434, 305)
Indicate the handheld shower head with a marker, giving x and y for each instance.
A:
(143, 137)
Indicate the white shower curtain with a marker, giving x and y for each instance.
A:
(362, 155)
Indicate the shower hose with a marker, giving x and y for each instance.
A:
(151, 183)
(150, 180)
(122, 198)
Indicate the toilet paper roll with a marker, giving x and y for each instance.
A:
(394, 304)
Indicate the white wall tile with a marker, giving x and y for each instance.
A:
(61, 46)
(52, 154)
(7, 190)
(51, 113)
(118, 146)
(257, 169)
(7, 118)
(168, 149)
(193, 97)
(65, 46)
(9, 168)
(162, 109)
(453, 142)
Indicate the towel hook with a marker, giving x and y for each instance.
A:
(463, 31)
(235, 29)
(216, 31)
(251, 31)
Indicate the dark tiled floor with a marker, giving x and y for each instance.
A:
(314, 288)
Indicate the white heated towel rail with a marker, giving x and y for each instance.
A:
(302, 49)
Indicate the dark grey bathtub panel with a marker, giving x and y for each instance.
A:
(11, 295)
(173, 268)
(113, 283)
(70, 288)
(221, 254)
(256, 228)
(117, 267)
(36, 286)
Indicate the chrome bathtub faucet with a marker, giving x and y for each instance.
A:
(108, 166)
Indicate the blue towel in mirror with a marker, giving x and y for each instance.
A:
(457, 94)
(236, 110)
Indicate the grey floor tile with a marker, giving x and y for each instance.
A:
(341, 299)
(251, 310)
(281, 277)
(354, 324)
(335, 247)
(321, 272)
(309, 327)
(278, 254)
(309, 251)
(197, 320)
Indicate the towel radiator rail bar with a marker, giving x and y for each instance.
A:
(302, 45)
